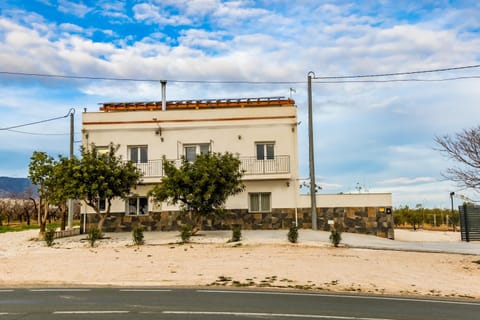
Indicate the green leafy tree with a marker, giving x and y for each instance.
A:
(40, 172)
(102, 176)
(62, 187)
(414, 218)
(201, 187)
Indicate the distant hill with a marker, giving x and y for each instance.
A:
(9, 186)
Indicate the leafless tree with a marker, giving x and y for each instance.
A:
(464, 148)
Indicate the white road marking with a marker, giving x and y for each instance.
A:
(342, 296)
(59, 290)
(6, 290)
(278, 315)
(145, 290)
(91, 312)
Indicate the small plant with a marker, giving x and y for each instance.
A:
(336, 234)
(293, 234)
(49, 236)
(236, 234)
(137, 235)
(93, 235)
(185, 233)
(335, 237)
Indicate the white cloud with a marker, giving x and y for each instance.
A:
(115, 9)
(407, 180)
(73, 8)
(153, 14)
(70, 27)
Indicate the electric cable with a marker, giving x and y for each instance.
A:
(80, 77)
(38, 122)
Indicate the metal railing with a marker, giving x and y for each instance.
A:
(250, 166)
(277, 165)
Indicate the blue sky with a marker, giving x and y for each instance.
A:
(375, 135)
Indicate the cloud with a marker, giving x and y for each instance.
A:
(73, 8)
(406, 180)
(152, 14)
(115, 9)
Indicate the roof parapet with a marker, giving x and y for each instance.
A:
(197, 104)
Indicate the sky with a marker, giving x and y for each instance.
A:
(369, 136)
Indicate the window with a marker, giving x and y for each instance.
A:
(259, 202)
(137, 206)
(191, 150)
(265, 150)
(138, 154)
(102, 150)
(101, 203)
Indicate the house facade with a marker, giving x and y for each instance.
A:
(262, 132)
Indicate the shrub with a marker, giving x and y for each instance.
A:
(137, 235)
(49, 236)
(335, 237)
(293, 234)
(185, 233)
(236, 234)
(93, 235)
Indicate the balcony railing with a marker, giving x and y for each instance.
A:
(277, 165)
(250, 165)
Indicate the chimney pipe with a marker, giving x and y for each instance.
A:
(164, 94)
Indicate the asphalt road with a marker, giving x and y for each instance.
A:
(122, 303)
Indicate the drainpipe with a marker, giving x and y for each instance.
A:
(164, 94)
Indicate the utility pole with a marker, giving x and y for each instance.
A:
(70, 201)
(313, 199)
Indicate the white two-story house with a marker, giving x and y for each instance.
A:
(262, 132)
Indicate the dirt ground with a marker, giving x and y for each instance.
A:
(115, 261)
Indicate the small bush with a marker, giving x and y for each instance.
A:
(93, 235)
(336, 234)
(49, 236)
(236, 234)
(137, 235)
(293, 234)
(185, 233)
(335, 237)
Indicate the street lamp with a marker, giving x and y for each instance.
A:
(451, 199)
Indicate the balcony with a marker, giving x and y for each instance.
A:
(280, 165)
(277, 165)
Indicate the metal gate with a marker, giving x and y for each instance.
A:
(469, 222)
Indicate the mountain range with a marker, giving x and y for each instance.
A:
(13, 186)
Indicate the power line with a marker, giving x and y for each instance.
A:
(41, 133)
(402, 80)
(38, 122)
(80, 77)
(400, 73)
(145, 80)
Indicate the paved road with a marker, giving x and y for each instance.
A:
(116, 303)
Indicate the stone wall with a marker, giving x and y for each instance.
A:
(366, 220)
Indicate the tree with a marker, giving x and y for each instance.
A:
(99, 176)
(62, 186)
(40, 172)
(414, 218)
(464, 148)
(200, 188)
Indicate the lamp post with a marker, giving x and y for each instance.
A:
(451, 199)
(313, 200)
